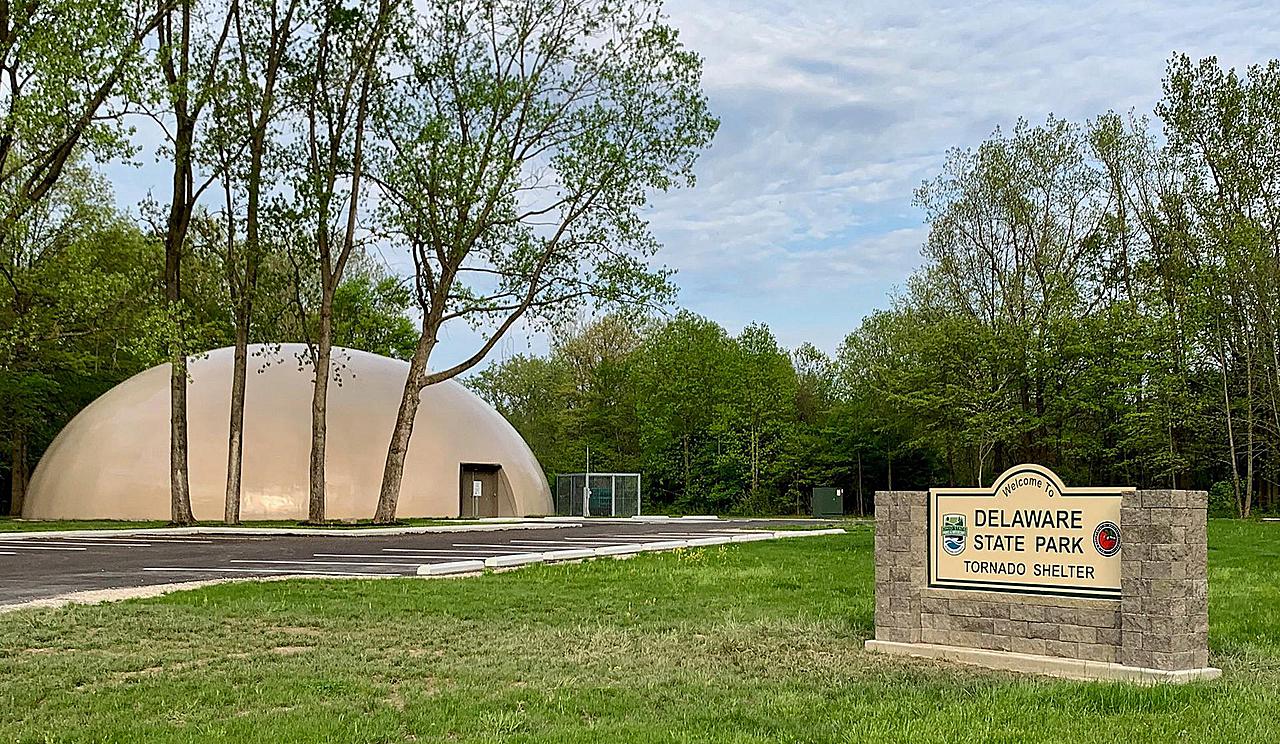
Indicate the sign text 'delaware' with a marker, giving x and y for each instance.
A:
(1027, 533)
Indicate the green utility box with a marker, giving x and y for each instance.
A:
(827, 502)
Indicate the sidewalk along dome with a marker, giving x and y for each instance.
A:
(112, 460)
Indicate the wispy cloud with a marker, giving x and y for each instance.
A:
(833, 113)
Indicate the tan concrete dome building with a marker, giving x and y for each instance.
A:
(112, 460)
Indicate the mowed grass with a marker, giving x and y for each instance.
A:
(759, 642)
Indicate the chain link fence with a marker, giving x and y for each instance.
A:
(609, 495)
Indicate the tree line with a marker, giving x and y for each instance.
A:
(1102, 297)
(500, 151)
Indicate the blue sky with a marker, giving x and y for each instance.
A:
(832, 113)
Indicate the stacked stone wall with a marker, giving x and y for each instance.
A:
(1160, 622)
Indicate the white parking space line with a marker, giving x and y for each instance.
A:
(198, 569)
(464, 548)
(7, 552)
(692, 534)
(327, 563)
(613, 539)
(16, 546)
(84, 543)
(526, 544)
(149, 539)
(452, 555)
(503, 546)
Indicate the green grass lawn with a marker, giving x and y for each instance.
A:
(759, 642)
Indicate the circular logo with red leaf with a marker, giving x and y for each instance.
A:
(1106, 539)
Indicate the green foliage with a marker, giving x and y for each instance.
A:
(75, 299)
(714, 422)
(520, 151)
(369, 314)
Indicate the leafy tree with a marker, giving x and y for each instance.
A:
(248, 113)
(369, 310)
(340, 90)
(76, 291)
(528, 138)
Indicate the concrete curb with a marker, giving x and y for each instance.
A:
(452, 567)
(513, 559)
(658, 545)
(700, 542)
(569, 554)
(1050, 666)
(290, 531)
(610, 550)
(808, 533)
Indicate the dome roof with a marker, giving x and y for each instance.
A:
(112, 460)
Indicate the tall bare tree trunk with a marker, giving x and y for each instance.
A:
(18, 489)
(319, 409)
(755, 460)
(175, 238)
(393, 471)
(235, 429)
(1249, 426)
(685, 440)
(259, 122)
(860, 483)
(1231, 434)
(186, 112)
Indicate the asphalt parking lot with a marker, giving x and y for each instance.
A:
(34, 568)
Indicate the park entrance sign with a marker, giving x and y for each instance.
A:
(1031, 575)
(1027, 533)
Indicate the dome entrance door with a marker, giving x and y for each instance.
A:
(478, 492)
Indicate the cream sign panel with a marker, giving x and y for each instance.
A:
(1028, 534)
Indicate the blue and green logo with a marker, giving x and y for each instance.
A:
(954, 532)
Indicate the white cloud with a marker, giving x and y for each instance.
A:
(833, 113)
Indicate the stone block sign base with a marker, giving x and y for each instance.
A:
(1156, 632)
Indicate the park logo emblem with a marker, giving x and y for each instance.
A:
(1106, 539)
(953, 533)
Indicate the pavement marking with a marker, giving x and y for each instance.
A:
(16, 546)
(150, 540)
(673, 535)
(7, 552)
(464, 548)
(83, 544)
(326, 563)
(197, 569)
(613, 539)
(569, 555)
(506, 546)
(452, 555)
(561, 544)
(619, 550)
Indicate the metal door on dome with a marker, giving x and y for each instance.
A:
(479, 491)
